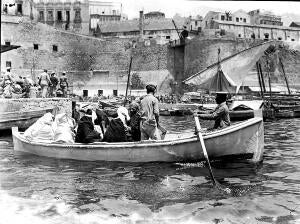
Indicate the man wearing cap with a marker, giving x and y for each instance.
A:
(53, 84)
(150, 115)
(44, 81)
(64, 84)
(220, 114)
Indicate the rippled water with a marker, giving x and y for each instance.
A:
(44, 190)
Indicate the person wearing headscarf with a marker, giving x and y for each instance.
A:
(117, 130)
(220, 114)
(85, 131)
(150, 115)
(135, 119)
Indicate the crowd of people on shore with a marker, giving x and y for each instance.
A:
(46, 85)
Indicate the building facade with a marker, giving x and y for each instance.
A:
(72, 15)
(103, 12)
(162, 30)
(154, 15)
(66, 15)
(266, 32)
(264, 17)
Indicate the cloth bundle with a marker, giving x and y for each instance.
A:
(63, 127)
(41, 130)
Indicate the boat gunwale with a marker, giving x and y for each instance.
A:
(151, 143)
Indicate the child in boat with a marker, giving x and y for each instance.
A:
(118, 129)
(85, 131)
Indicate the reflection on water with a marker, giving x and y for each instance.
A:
(44, 190)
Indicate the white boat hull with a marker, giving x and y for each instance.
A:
(243, 139)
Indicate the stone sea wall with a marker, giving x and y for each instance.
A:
(26, 104)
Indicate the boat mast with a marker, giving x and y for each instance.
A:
(285, 78)
(269, 78)
(128, 80)
(259, 80)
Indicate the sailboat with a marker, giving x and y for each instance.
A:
(229, 75)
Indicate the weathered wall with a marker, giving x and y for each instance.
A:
(25, 104)
(75, 52)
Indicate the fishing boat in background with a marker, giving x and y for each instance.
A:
(244, 140)
(21, 119)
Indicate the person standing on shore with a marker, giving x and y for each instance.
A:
(64, 85)
(44, 81)
(150, 115)
(7, 77)
(53, 85)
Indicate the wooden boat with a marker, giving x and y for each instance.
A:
(296, 113)
(244, 139)
(164, 112)
(21, 119)
(284, 114)
(240, 115)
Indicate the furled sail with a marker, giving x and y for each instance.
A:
(235, 68)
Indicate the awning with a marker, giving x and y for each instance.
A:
(5, 48)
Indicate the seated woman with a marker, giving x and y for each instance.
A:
(102, 120)
(118, 129)
(135, 118)
(85, 131)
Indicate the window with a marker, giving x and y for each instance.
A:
(230, 18)
(41, 16)
(237, 19)
(55, 48)
(266, 36)
(115, 92)
(241, 19)
(19, 9)
(59, 16)
(8, 64)
(279, 38)
(35, 46)
(100, 92)
(222, 17)
(68, 16)
(7, 43)
(240, 35)
(168, 37)
(50, 16)
(244, 20)
(196, 23)
(85, 93)
(114, 12)
(77, 16)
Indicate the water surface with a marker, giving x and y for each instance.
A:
(42, 190)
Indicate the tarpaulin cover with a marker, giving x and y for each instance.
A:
(235, 67)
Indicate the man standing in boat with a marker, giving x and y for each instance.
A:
(150, 115)
(220, 114)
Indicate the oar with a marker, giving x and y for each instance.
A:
(198, 127)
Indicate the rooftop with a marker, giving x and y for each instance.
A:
(133, 25)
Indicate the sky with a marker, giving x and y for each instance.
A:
(194, 7)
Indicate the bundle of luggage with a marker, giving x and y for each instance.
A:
(50, 129)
